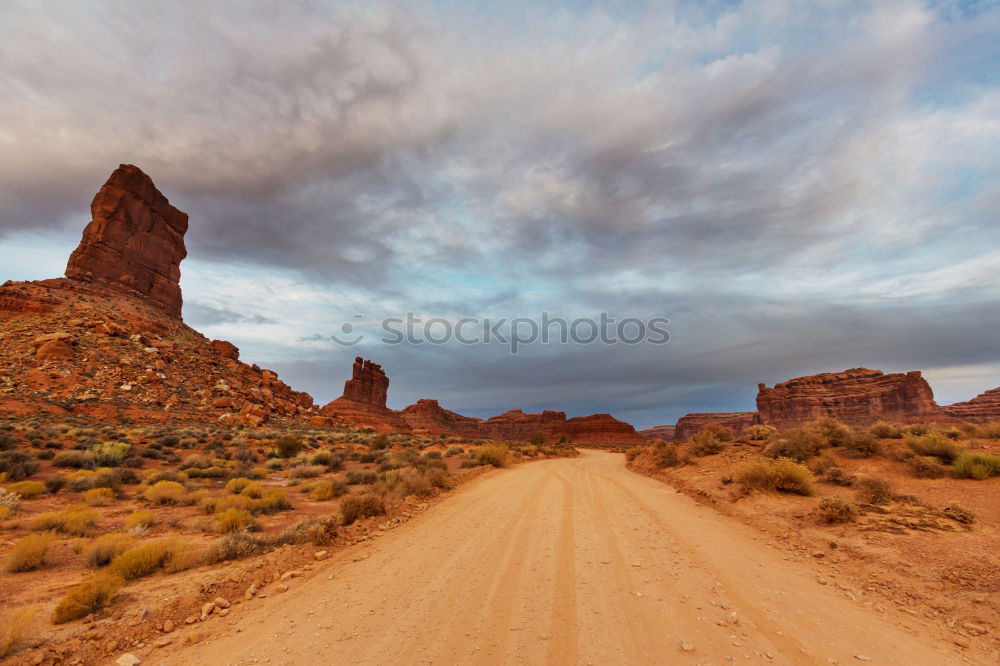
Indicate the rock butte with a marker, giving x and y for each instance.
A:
(135, 240)
(107, 342)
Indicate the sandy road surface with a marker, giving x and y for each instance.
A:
(575, 561)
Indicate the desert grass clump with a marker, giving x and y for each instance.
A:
(306, 471)
(244, 486)
(861, 444)
(110, 454)
(28, 553)
(146, 558)
(759, 432)
(884, 430)
(667, 455)
(143, 518)
(926, 467)
(234, 546)
(361, 478)
(935, 444)
(166, 492)
(832, 431)
(106, 548)
(322, 491)
(99, 496)
(833, 510)
(273, 500)
(438, 478)
(234, 520)
(319, 531)
(74, 459)
(711, 439)
(289, 446)
(978, 466)
(27, 489)
(94, 594)
(493, 454)
(780, 474)
(960, 514)
(16, 630)
(872, 490)
(361, 506)
(412, 482)
(798, 444)
(77, 520)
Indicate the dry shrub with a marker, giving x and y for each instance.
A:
(989, 430)
(960, 514)
(935, 444)
(92, 595)
(798, 444)
(4, 512)
(711, 439)
(234, 520)
(361, 506)
(831, 431)
(306, 471)
(28, 553)
(861, 444)
(871, 490)
(439, 478)
(884, 430)
(319, 531)
(492, 454)
(926, 467)
(99, 496)
(759, 432)
(77, 520)
(17, 628)
(978, 466)
(412, 482)
(106, 548)
(836, 510)
(327, 490)
(142, 518)
(272, 501)
(234, 546)
(244, 486)
(667, 455)
(781, 474)
(146, 558)
(166, 492)
(27, 489)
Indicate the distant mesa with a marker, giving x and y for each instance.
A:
(984, 407)
(134, 241)
(690, 424)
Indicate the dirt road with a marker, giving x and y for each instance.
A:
(575, 561)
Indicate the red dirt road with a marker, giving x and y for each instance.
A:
(571, 561)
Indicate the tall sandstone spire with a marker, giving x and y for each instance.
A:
(135, 239)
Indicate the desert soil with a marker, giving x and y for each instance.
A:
(567, 561)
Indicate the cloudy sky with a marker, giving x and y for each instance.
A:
(799, 187)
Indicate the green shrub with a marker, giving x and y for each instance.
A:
(978, 466)
(110, 454)
(92, 595)
(781, 474)
(836, 510)
(361, 506)
(27, 489)
(493, 454)
(28, 553)
(106, 548)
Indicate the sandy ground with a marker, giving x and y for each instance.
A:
(569, 561)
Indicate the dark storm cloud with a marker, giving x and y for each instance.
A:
(799, 188)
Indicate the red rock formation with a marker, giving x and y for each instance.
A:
(600, 429)
(368, 385)
(664, 432)
(858, 396)
(135, 240)
(984, 407)
(226, 349)
(516, 425)
(429, 416)
(690, 424)
(364, 401)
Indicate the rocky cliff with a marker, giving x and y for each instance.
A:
(858, 396)
(428, 416)
(135, 240)
(690, 424)
(363, 403)
(664, 432)
(984, 407)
